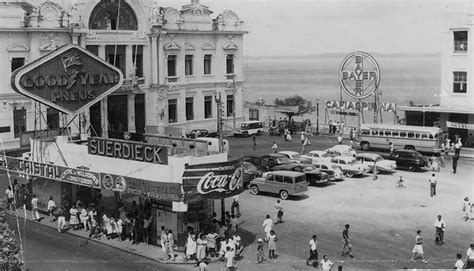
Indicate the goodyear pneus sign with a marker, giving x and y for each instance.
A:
(68, 79)
(128, 150)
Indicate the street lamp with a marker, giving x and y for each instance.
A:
(317, 116)
(218, 99)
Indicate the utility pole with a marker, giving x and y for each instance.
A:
(220, 113)
(317, 116)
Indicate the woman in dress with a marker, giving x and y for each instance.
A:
(201, 247)
(84, 217)
(272, 244)
(170, 244)
(73, 220)
(191, 246)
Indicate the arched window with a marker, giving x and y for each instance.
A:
(104, 16)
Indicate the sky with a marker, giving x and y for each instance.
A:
(303, 27)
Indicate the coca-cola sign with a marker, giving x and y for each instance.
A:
(212, 181)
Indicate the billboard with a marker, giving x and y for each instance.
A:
(69, 79)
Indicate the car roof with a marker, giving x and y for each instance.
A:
(406, 151)
(286, 173)
(288, 152)
(344, 157)
(341, 147)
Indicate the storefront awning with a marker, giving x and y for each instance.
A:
(437, 109)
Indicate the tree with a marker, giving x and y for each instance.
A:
(304, 106)
(10, 256)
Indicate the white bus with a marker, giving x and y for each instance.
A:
(419, 138)
(248, 128)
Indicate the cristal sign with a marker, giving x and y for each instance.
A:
(69, 79)
(359, 75)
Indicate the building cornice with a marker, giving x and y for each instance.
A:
(206, 32)
(36, 30)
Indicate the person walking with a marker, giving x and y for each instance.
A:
(34, 208)
(418, 248)
(267, 227)
(326, 264)
(10, 198)
(313, 252)
(455, 163)
(401, 183)
(347, 241)
(470, 257)
(170, 244)
(440, 227)
(61, 214)
(459, 263)
(433, 183)
(272, 244)
(279, 214)
(51, 207)
(274, 147)
(466, 208)
(235, 206)
(339, 139)
(254, 139)
(392, 148)
(260, 254)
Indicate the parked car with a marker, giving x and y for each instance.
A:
(194, 133)
(250, 173)
(349, 165)
(316, 156)
(381, 165)
(268, 161)
(296, 157)
(283, 183)
(331, 169)
(408, 159)
(340, 150)
(313, 175)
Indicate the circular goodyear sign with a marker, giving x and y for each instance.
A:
(359, 75)
(108, 182)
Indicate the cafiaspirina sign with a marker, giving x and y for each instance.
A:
(359, 75)
(68, 79)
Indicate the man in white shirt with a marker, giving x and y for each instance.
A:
(10, 198)
(459, 263)
(34, 208)
(470, 257)
(267, 227)
(326, 264)
(313, 250)
(440, 227)
(433, 183)
(229, 256)
(235, 206)
(51, 206)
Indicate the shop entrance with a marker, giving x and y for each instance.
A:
(452, 132)
(86, 195)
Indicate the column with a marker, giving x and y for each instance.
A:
(154, 60)
(131, 112)
(129, 62)
(104, 118)
(82, 41)
(102, 52)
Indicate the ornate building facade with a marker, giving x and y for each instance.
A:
(175, 62)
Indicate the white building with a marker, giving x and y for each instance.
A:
(174, 62)
(455, 113)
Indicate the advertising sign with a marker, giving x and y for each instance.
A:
(50, 171)
(460, 125)
(359, 75)
(212, 181)
(360, 106)
(154, 190)
(68, 79)
(128, 150)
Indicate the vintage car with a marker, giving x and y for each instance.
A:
(250, 172)
(408, 159)
(283, 183)
(381, 165)
(295, 157)
(316, 156)
(268, 161)
(313, 175)
(333, 170)
(349, 165)
(340, 150)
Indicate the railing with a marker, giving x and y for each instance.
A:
(460, 46)
(172, 79)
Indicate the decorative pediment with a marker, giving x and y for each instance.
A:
(231, 44)
(208, 46)
(196, 8)
(50, 46)
(50, 14)
(173, 88)
(189, 46)
(172, 46)
(18, 48)
(229, 18)
(172, 16)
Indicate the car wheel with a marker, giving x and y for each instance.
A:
(365, 146)
(411, 168)
(349, 174)
(254, 190)
(284, 195)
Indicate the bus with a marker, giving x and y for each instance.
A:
(248, 128)
(419, 138)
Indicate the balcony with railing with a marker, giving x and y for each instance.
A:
(460, 46)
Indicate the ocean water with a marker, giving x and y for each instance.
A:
(404, 78)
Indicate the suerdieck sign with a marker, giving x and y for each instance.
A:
(129, 150)
(359, 75)
(68, 79)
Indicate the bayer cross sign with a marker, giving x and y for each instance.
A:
(69, 79)
(359, 75)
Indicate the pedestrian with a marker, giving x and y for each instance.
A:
(191, 247)
(466, 208)
(235, 206)
(313, 252)
(418, 248)
(170, 244)
(201, 247)
(433, 183)
(374, 171)
(211, 243)
(347, 241)
(272, 244)
(267, 227)
(279, 214)
(51, 207)
(442, 154)
(339, 139)
(61, 218)
(459, 263)
(457, 147)
(34, 208)
(234, 222)
(163, 239)
(274, 147)
(392, 148)
(73, 221)
(147, 220)
(229, 259)
(274, 121)
(22, 195)
(401, 183)
(302, 137)
(455, 163)
(254, 139)
(10, 198)
(260, 257)
(94, 232)
(470, 257)
(326, 264)
(440, 227)
(239, 248)
(203, 265)
(16, 192)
